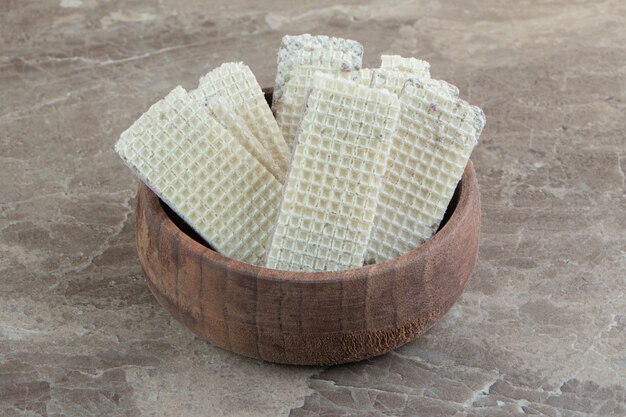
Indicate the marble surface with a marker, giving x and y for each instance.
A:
(541, 329)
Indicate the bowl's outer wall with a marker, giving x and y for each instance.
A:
(308, 318)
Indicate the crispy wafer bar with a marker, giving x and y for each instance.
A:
(365, 76)
(432, 144)
(395, 70)
(329, 199)
(237, 127)
(291, 107)
(289, 111)
(451, 90)
(362, 76)
(392, 79)
(237, 86)
(420, 69)
(323, 52)
(204, 174)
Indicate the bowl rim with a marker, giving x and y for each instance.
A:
(467, 184)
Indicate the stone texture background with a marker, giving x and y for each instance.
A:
(541, 330)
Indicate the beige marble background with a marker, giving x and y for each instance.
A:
(541, 329)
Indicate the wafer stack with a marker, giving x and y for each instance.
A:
(329, 200)
(395, 70)
(299, 58)
(236, 125)
(290, 110)
(429, 151)
(236, 85)
(204, 174)
(327, 53)
(364, 76)
(357, 166)
(416, 67)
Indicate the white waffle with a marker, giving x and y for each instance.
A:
(202, 172)
(429, 151)
(325, 53)
(291, 107)
(392, 79)
(237, 127)
(329, 199)
(395, 70)
(450, 90)
(364, 76)
(420, 69)
(237, 86)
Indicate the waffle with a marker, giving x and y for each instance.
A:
(361, 76)
(391, 79)
(204, 174)
(420, 69)
(329, 199)
(450, 90)
(237, 86)
(290, 109)
(365, 76)
(323, 52)
(432, 144)
(232, 122)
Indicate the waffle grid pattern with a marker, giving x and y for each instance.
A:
(329, 201)
(237, 127)
(236, 84)
(452, 91)
(364, 76)
(432, 144)
(391, 79)
(291, 107)
(195, 166)
(420, 69)
(321, 51)
(288, 100)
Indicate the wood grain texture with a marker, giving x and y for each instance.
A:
(307, 318)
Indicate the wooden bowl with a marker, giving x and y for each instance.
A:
(307, 318)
